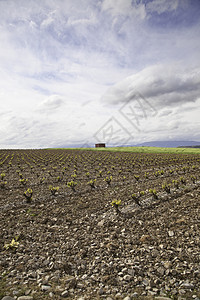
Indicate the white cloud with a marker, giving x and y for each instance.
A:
(57, 55)
(51, 104)
(124, 7)
(47, 22)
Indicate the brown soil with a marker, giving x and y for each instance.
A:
(74, 243)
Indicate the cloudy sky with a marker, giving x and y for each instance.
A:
(78, 72)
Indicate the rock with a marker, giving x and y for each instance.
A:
(187, 285)
(65, 294)
(131, 272)
(167, 264)
(155, 253)
(127, 298)
(145, 282)
(51, 295)
(127, 277)
(161, 271)
(7, 298)
(27, 292)
(182, 292)
(15, 292)
(25, 298)
(101, 223)
(145, 238)
(162, 298)
(118, 295)
(45, 288)
(71, 282)
(152, 293)
(101, 291)
(171, 233)
(134, 295)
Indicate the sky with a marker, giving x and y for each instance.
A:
(77, 72)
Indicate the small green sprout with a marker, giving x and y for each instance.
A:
(3, 184)
(134, 196)
(73, 176)
(193, 178)
(182, 180)
(108, 180)
(92, 183)
(116, 203)
(2, 175)
(176, 183)
(42, 180)
(154, 193)
(72, 184)
(137, 177)
(53, 189)
(23, 181)
(28, 195)
(166, 187)
(13, 245)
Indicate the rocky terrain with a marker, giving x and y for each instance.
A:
(76, 245)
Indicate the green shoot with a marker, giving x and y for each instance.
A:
(116, 203)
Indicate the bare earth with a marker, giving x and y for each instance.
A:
(74, 245)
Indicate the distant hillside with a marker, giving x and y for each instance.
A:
(198, 146)
(163, 144)
(170, 144)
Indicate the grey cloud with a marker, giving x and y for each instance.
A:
(162, 85)
(165, 113)
(161, 6)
